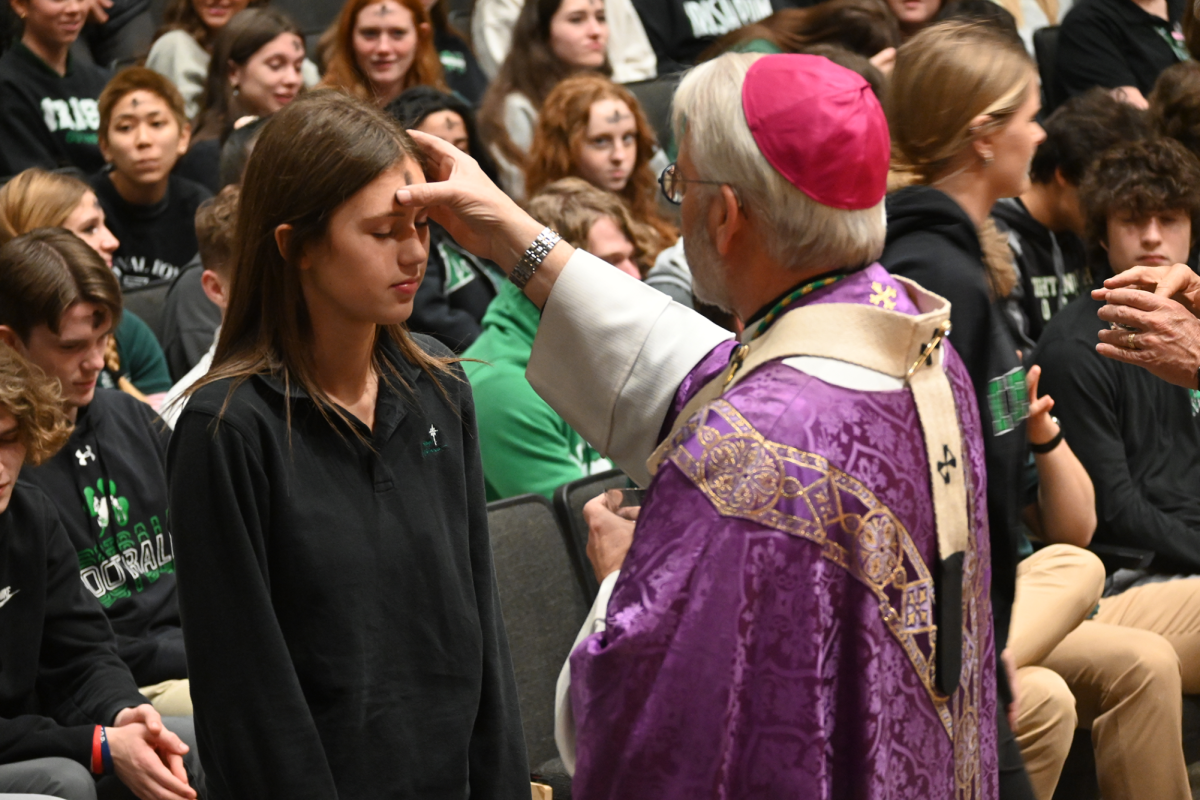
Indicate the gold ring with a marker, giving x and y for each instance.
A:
(1131, 344)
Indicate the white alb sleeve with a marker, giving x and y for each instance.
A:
(564, 717)
(609, 355)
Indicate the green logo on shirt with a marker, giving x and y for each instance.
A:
(430, 446)
(126, 559)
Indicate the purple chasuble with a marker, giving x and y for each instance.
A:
(771, 633)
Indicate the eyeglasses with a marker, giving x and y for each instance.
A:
(672, 183)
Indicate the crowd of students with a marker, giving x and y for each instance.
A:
(336, 384)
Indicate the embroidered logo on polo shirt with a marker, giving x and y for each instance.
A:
(430, 446)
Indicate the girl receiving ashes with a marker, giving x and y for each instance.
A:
(342, 618)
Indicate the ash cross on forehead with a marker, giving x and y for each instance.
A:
(616, 117)
(384, 9)
(135, 102)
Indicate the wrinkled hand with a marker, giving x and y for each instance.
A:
(1039, 427)
(139, 760)
(1167, 341)
(1177, 282)
(97, 10)
(464, 201)
(1010, 672)
(884, 61)
(610, 532)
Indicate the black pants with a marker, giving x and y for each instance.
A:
(68, 779)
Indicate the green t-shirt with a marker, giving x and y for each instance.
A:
(142, 359)
(526, 446)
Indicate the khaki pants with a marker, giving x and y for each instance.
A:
(1115, 675)
(170, 698)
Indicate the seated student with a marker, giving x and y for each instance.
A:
(71, 719)
(558, 37)
(257, 68)
(457, 286)
(591, 128)
(866, 27)
(1175, 105)
(40, 199)
(58, 304)
(526, 446)
(183, 45)
(1121, 45)
(629, 50)
(1137, 435)
(461, 69)
(216, 226)
(1045, 222)
(143, 132)
(381, 48)
(48, 115)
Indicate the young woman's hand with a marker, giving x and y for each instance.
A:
(1040, 427)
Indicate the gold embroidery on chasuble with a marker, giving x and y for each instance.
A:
(780, 487)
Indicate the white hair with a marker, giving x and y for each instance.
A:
(803, 234)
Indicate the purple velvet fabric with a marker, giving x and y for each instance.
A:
(771, 633)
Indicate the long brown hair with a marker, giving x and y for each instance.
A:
(342, 70)
(559, 140)
(181, 16)
(312, 156)
(861, 26)
(531, 69)
(238, 41)
(36, 198)
(945, 77)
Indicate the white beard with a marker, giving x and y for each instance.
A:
(709, 281)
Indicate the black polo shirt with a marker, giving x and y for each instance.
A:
(1113, 43)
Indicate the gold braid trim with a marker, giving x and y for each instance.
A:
(748, 477)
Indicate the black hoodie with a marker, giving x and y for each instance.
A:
(48, 120)
(1052, 266)
(110, 483)
(59, 671)
(931, 240)
(680, 30)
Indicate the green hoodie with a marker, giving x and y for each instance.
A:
(526, 446)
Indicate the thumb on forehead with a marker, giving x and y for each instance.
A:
(427, 194)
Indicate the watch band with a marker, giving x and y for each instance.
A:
(533, 257)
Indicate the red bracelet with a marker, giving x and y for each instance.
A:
(97, 757)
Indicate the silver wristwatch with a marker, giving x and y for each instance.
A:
(534, 257)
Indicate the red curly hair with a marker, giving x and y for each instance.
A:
(559, 138)
(343, 72)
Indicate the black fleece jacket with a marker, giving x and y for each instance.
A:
(931, 240)
(353, 579)
(59, 671)
(1137, 436)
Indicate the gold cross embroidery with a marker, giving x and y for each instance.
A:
(883, 295)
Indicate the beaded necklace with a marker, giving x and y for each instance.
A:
(792, 297)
